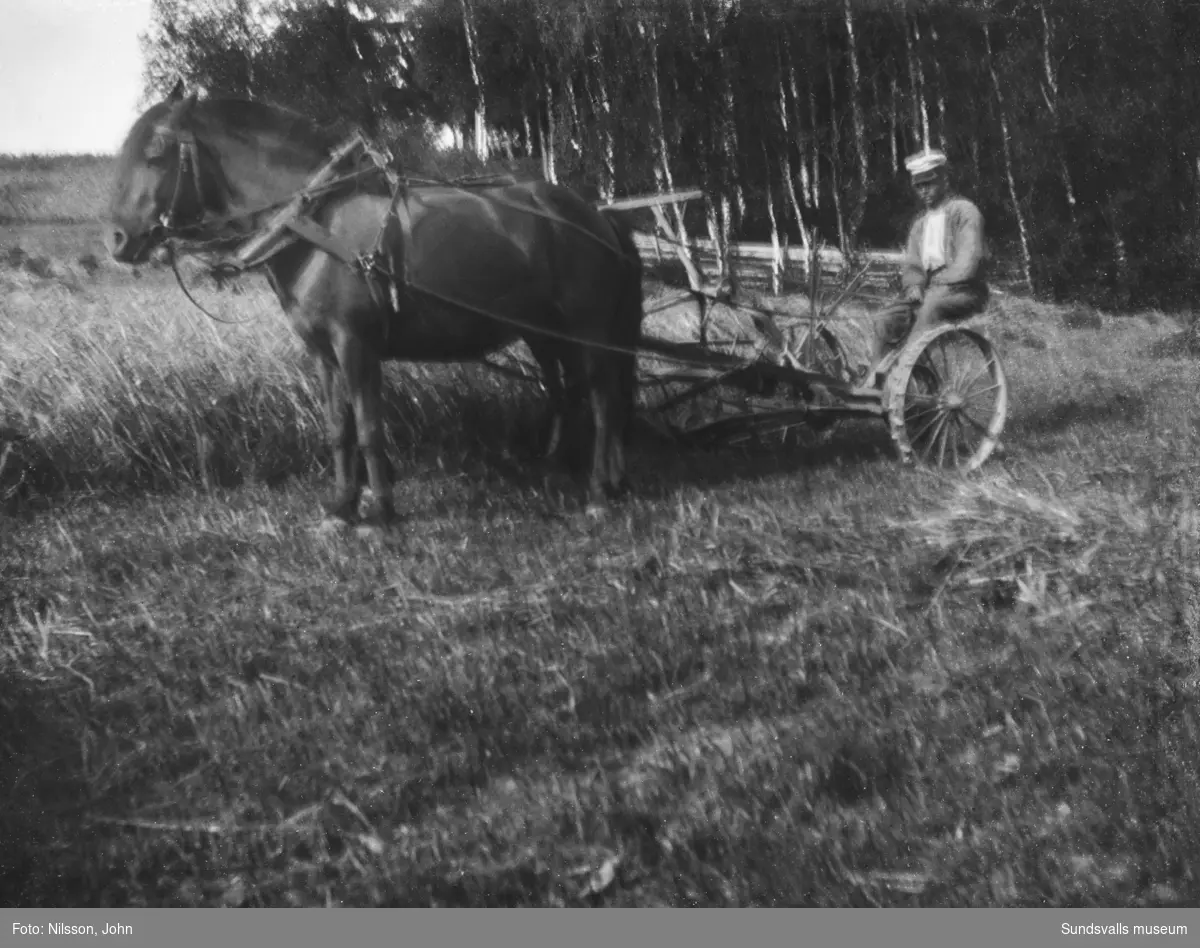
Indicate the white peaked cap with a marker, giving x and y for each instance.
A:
(925, 161)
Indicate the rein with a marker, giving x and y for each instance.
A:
(170, 245)
(252, 254)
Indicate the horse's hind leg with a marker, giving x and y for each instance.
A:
(340, 429)
(364, 377)
(552, 377)
(622, 405)
(599, 388)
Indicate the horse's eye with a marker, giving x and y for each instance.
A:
(156, 150)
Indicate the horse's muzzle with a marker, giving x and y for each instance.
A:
(131, 249)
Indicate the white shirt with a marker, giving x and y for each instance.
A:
(933, 253)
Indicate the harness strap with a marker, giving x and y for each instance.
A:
(189, 160)
(404, 219)
(320, 236)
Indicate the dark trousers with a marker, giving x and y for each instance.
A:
(940, 304)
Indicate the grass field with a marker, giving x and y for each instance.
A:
(63, 189)
(805, 676)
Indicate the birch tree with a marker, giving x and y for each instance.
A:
(1006, 142)
(860, 133)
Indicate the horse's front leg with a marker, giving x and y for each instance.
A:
(343, 441)
(364, 378)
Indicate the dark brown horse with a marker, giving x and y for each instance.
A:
(476, 269)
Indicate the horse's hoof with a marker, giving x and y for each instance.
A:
(370, 532)
(378, 514)
(375, 509)
(342, 508)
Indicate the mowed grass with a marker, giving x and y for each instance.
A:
(795, 674)
(62, 188)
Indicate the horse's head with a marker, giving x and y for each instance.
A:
(157, 184)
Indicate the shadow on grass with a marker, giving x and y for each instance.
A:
(1056, 417)
(41, 789)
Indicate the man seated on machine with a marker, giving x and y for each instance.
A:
(945, 262)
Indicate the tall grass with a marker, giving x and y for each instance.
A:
(139, 390)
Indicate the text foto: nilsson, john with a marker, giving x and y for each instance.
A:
(61, 928)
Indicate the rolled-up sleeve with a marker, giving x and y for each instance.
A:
(969, 248)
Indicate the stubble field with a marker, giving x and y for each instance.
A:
(801, 675)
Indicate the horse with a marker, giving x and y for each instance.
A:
(471, 270)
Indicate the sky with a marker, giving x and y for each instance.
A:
(70, 74)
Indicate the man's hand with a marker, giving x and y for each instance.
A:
(913, 295)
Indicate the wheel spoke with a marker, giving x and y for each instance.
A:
(920, 398)
(912, 417)
(987, 364)
(943, 437)
(981, 391)
(937, 415)
(963, 366)
(933, 438)
(941, 348)
(960, 436)
(918, 418)
(977, 425)
(959, 377)
(946, 374)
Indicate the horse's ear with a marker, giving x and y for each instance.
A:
(181, 109)
(178, 92)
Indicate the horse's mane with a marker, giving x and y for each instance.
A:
(284, 129)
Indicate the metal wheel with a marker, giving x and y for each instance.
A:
(947, 399)
(817, 348)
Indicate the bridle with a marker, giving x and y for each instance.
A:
(187, 166)
(170, 227)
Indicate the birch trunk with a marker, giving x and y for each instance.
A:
(801, 136)
(548, 136)
(836, 158)
(814, 152)
(860, 134)
(1026, 261)
(480, 124)
(920, 115)
(677, 230)
(894, 123)
(729, 134)
(789, 184)
(940, 74)
(600, 96)
(777, 260)
(1050, 95)
(664, 152)
(713, 224)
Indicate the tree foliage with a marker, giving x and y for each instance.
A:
(1070, 124)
